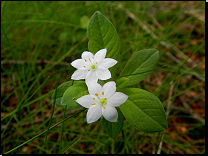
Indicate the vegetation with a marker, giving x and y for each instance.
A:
(39, 40)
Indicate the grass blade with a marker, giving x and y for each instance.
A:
(62, 127)
(52, 112)
(44, 132)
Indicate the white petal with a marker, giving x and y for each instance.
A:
(86, 101)
(109, 89)
(110, 113)
(94, 113)
(91, 77)
(117, 99)
(79, 74)
(100, 55)
(94, 88)
(107, 63)
(86, 55)
(79, 63)
(103, 74)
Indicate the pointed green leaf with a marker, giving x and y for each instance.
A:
(121, 83)
(61, 89)
(140, 62)
(102, 34)
(113, 128)
(144, 110)
(73, 93)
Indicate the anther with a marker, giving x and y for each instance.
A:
(88, 70)
(93, 104)
(102, 93)
(93, 98)
(96, 94)
(105, 99)
(104, 107)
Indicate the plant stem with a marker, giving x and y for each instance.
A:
(112, 147)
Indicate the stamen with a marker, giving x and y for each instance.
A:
(96, 94)
(105, 99)
(104, 107)
(84, 66)
(85, 60)
(93, 66)
(93, 57)
(102, 93)
(96, 62)
(88, 70)
(93, 98)
(93, 104)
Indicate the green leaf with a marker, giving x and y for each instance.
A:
(144, 110)
(140, 62)
(102, 34)
(61, 89)
(113, 128)
(73, 93)
(121, 83)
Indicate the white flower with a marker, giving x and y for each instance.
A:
(102, 101)
(93, 67)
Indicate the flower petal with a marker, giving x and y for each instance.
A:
(107, 63)
(117, 99)
(100, 55)
(94, 88)
(94, 113)
(103, 74)
(79, 74)
(109, 89)
(86, 101)
(91, 77)
(86, 55)
(79, 63)
(110, 113)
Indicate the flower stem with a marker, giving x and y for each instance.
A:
(112, 146)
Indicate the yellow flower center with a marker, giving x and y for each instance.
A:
(93, 66)
(102, 101)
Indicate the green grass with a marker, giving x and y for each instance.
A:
(35, 33)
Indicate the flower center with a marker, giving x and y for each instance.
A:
(102, 101)
(93, 66)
